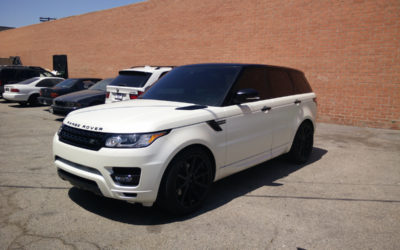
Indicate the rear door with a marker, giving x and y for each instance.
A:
(284, 109)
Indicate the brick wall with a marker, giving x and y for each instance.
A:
(348, 49)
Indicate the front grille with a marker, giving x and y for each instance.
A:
(60, 103)
(82, 138)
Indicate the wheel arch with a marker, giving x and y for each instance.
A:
(304, 120)
(180, 150)
(188, 147)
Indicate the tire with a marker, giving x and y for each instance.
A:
(33, 101)
(303, 143)
(187, 181)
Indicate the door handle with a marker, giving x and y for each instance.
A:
(297, 102)
(265, 108)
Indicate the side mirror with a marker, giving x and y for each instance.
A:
(246, 95)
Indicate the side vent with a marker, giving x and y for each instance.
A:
(216, 124)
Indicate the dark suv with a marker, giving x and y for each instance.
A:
(14, 74)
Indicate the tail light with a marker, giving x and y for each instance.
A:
(135, 96)
(53, 95)
(14, 90)
(108, 95)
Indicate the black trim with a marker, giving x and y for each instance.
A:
(215, 125)
(192, 107)
(82, 138)
(79, 182)
(265, 108)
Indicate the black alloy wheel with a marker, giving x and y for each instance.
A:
(303, 143)
(187, 181)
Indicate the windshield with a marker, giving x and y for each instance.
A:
(67, 83)
(102, 85)
(203, 85)
(131, 79)
(30, 80)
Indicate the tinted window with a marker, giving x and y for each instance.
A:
(254, 78)
(56, 81)
(67, 83)
(280, 83)
(87, 84)
(27, 73)
(27, 81)
(131, 79)
(45, 73)
(102, 85)
(8, 74)
(163, 74)
(301, 85)
(46, 83)
(204, 85)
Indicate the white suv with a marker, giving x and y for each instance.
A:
(198, 124)
(131, 83)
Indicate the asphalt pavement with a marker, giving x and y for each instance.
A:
(346, 197)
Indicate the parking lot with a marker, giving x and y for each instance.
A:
(346, 197)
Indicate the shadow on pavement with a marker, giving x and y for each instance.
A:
(60, 119)
(17, 105)
(222, 192)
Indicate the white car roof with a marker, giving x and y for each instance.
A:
(149, 69)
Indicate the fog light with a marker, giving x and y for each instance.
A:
(126, 176)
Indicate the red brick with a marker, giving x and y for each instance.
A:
(349, 50)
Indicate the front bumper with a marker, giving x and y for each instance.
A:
(60, 110)
(45, 100)
(96, 166)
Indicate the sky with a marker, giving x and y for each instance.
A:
(18, 13)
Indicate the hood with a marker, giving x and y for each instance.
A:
(139, 116)
(81, 95)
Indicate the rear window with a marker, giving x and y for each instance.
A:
(280, 82)
(45, 73)
(30, 80)
(101, 85)
(131, 79)
(8, 74)
(301, 85)
(67, 83)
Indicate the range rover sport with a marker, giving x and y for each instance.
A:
(198, 124)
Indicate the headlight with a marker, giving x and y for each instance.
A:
(73, 104)
(133, 140)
